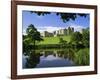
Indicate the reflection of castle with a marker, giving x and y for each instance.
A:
(58, 32)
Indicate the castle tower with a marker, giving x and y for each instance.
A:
(68, 30)
(72, 29)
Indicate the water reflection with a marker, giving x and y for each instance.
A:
(49, 58)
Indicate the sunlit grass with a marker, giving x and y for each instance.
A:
(54, 40)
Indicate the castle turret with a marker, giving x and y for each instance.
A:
(70, 30)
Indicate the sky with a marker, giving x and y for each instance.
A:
(52, 22)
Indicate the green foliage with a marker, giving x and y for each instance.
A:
(76, 37)
(30, 39)
(33, 34)
(48, 46)
(85, 39)
(62, 42)
(26, 42)
(82, 57)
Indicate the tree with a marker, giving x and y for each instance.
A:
(33, 34)
(76, 38)
(85, 37)
(62, 42)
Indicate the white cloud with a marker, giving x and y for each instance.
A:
(78, 27)
(49, 28)
(53, 28)
(24, 32)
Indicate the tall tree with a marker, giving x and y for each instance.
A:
(33, 34)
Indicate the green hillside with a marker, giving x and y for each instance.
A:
(54, 40)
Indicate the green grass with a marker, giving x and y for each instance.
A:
(54, 40)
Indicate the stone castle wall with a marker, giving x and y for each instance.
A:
(58, 32)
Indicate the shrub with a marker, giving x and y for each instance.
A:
(82, 57)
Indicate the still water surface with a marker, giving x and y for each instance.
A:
(49, 58)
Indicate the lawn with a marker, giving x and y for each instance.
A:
(54, 40)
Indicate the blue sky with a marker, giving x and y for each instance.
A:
(52, 22)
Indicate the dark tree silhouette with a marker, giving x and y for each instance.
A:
(33, 34)
(64, 16)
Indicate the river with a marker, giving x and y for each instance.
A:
(49, 58)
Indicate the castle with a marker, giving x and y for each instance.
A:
(59, 32)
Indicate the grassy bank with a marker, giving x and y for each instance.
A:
(54, 40)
